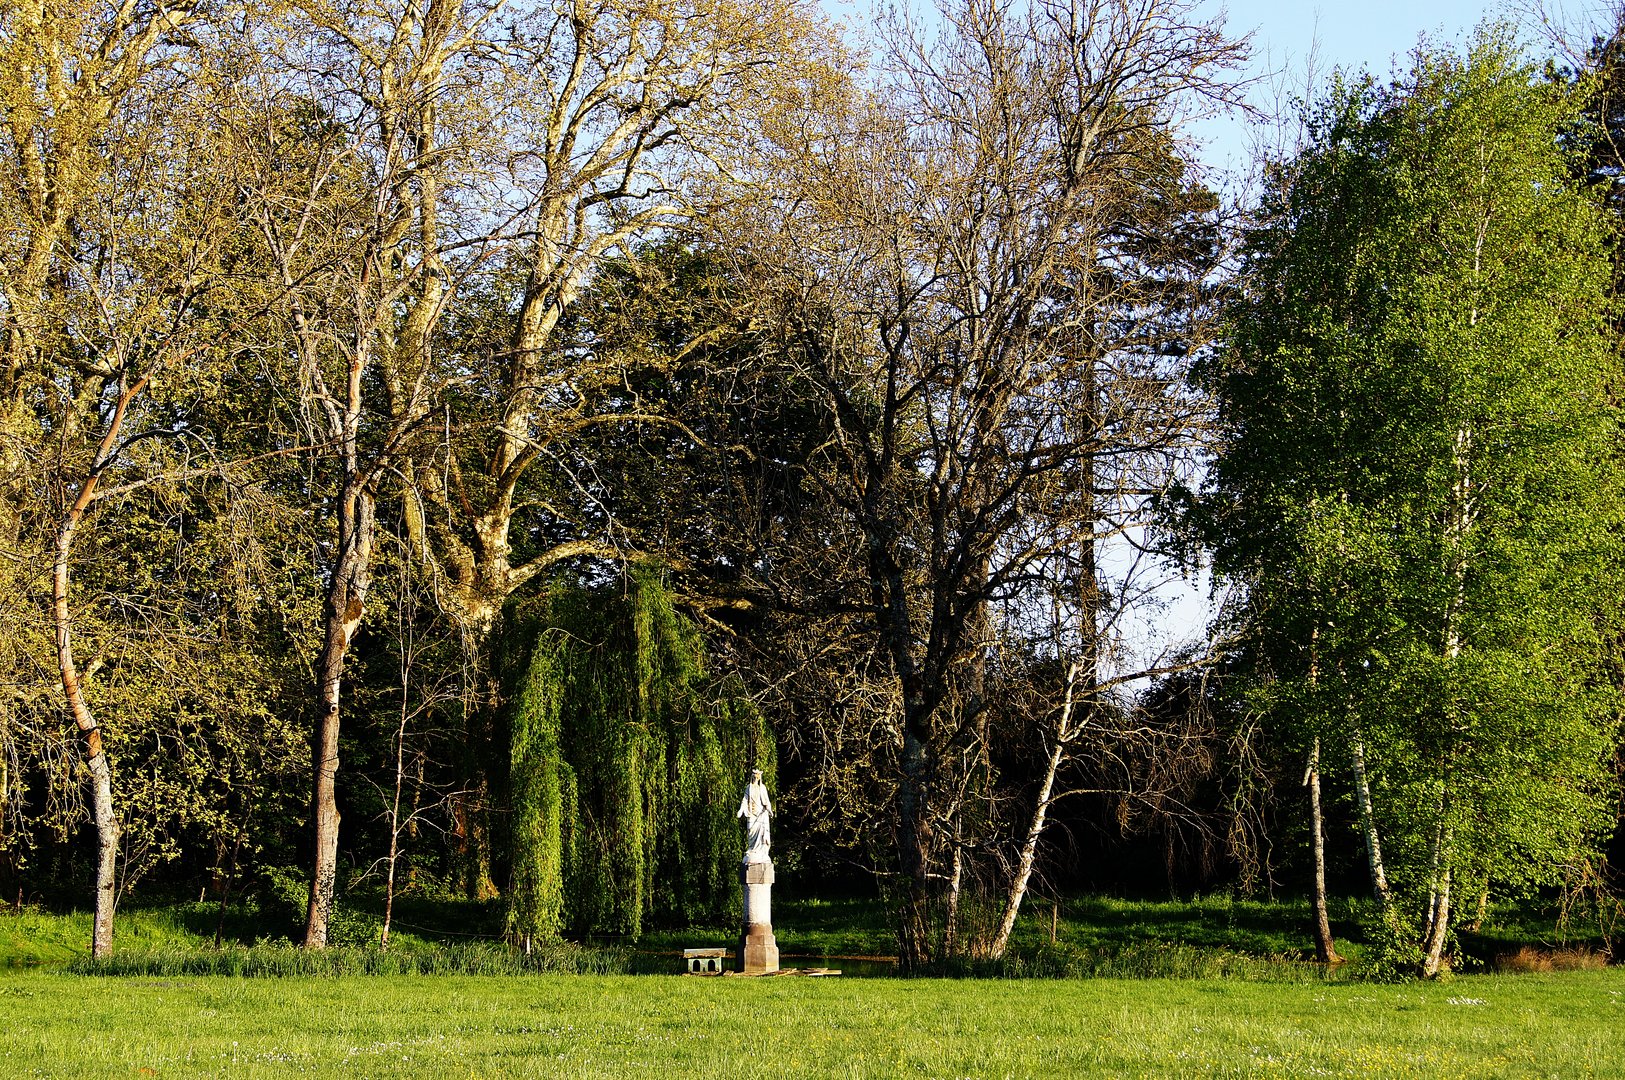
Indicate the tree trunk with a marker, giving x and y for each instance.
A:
(1459, 522)
(1064, 731)
(1083, 671)
(1368, 826)
(345, 606)
(394, 823)
(1438, 928)
(956, 880)
(1029, 851)
(101, 773)
(1325, 947)
(225, 889)
(914, 856)
(1483, 906)
(485, 759)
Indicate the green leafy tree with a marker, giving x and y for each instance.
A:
(1417, 484)
(625, 764)
(107, 265)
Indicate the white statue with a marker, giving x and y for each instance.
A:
(755, 808)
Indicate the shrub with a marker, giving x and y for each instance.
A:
(1530, 959)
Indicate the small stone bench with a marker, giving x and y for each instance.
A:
(704, 961)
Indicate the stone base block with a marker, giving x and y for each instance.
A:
(758, 951)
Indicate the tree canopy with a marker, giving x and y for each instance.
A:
(1419, 484)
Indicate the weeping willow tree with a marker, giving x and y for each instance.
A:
(625, 760)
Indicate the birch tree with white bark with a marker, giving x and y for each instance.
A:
(1418, 484)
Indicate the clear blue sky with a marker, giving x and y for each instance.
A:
(1351, 35)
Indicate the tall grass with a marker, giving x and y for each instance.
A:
(1144, 960)
(33, 938)
(1147, 960)
(1205, 938)
(282, 960)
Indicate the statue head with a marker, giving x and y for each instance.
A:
(756, 776)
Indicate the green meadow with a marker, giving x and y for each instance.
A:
(64, 1025)
(1204, 987)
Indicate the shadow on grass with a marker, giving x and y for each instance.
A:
(1093, 937)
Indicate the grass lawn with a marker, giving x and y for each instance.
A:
(55, 1024)
(32, 938)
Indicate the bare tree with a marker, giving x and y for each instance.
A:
(615, 111)
(626, 101)
(424, 690)
(992, 274)
(347, 164)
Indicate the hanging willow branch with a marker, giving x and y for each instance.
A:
(624, 760)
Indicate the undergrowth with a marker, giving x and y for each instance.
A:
(1142, 960)
(1205, 938)
(280, 960)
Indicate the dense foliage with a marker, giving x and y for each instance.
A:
(1419, 485)
(624, 756)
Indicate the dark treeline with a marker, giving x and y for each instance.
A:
(443, 450)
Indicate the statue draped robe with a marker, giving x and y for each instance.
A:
(756, 809)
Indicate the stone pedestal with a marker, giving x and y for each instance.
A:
(758, 951)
